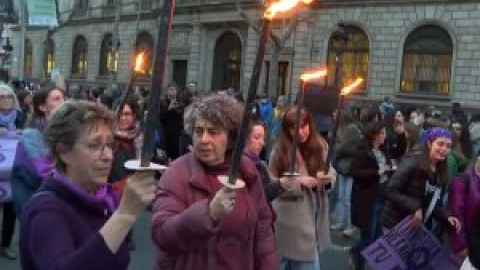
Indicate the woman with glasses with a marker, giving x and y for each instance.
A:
(75, 220)
(10, 119)
(128, 138)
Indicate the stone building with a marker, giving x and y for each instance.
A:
(416, 51)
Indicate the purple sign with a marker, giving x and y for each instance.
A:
(8, 147)
(409, 248)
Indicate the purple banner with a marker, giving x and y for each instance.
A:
(8, 147)
(407, 248)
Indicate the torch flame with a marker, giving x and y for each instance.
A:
(139, 62)
(347, 89)
(313, 75)
(283, 6)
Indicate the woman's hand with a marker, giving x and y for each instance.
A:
(417, 218)
(307, 181)
(223, 203)
(289, 183)
(138, 193)
(455, 223)
(326, 178)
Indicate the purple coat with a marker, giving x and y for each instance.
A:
(187, 238)
(464, 203)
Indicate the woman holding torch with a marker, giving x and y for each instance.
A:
(197, 222)
(302, 225)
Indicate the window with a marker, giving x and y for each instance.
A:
(180, 72)
(28, 61)
(227, 62)
(281, 80)
(79, 57)
(108, 64)
(82, 8)
(427, 60)
(355, 54)
(49, 57)
(145, 44)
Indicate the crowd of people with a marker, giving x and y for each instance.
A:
(77, 203)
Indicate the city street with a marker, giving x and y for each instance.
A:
(142, 258)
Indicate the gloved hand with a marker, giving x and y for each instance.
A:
(223, 203)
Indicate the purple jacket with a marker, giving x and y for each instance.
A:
(60, 230)
(188, 239)
(464, 203)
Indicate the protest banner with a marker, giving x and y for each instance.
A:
(8, 148)
(405, 247)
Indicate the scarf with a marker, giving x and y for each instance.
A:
(104, 195)
(125, 137)
(255, 158)
(7, 120)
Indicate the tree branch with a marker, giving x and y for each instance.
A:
(75, 9)
(244, 16)
(291, 27)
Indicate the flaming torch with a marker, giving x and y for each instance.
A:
(343, 93)
(153, 109)
(272, 10)
(316, 74)
(137, 68)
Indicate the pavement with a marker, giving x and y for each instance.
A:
(335, 258)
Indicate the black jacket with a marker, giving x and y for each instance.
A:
(405, 193)
(366, 186)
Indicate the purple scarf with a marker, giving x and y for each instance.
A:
(104, 195)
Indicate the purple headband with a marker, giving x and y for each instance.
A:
(434, 133)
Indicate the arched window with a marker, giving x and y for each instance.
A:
(79, 57)
(108, 64)
(427, 60)
(354, 50)
(145, 44)
(227, 62)
(28, 61)
(49, 61)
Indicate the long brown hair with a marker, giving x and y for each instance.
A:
(312, 150)
(440, 167)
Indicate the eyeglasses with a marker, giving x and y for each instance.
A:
(99, 147)
(6, 96)
(126, 114)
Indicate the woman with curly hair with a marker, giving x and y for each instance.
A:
(302, 225)
(197, 222)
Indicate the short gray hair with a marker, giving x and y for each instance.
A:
(7, 88)
(69, 120)
(223, 111)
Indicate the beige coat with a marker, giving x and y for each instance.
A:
(297, 227)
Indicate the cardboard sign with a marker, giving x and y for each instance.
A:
(8, 148)
(409, 248)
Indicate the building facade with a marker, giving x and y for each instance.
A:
(424, 52)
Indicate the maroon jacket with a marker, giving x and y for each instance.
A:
(188, 239)
(464, 203)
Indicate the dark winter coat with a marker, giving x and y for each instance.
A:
(366, 186)
(406, 192)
